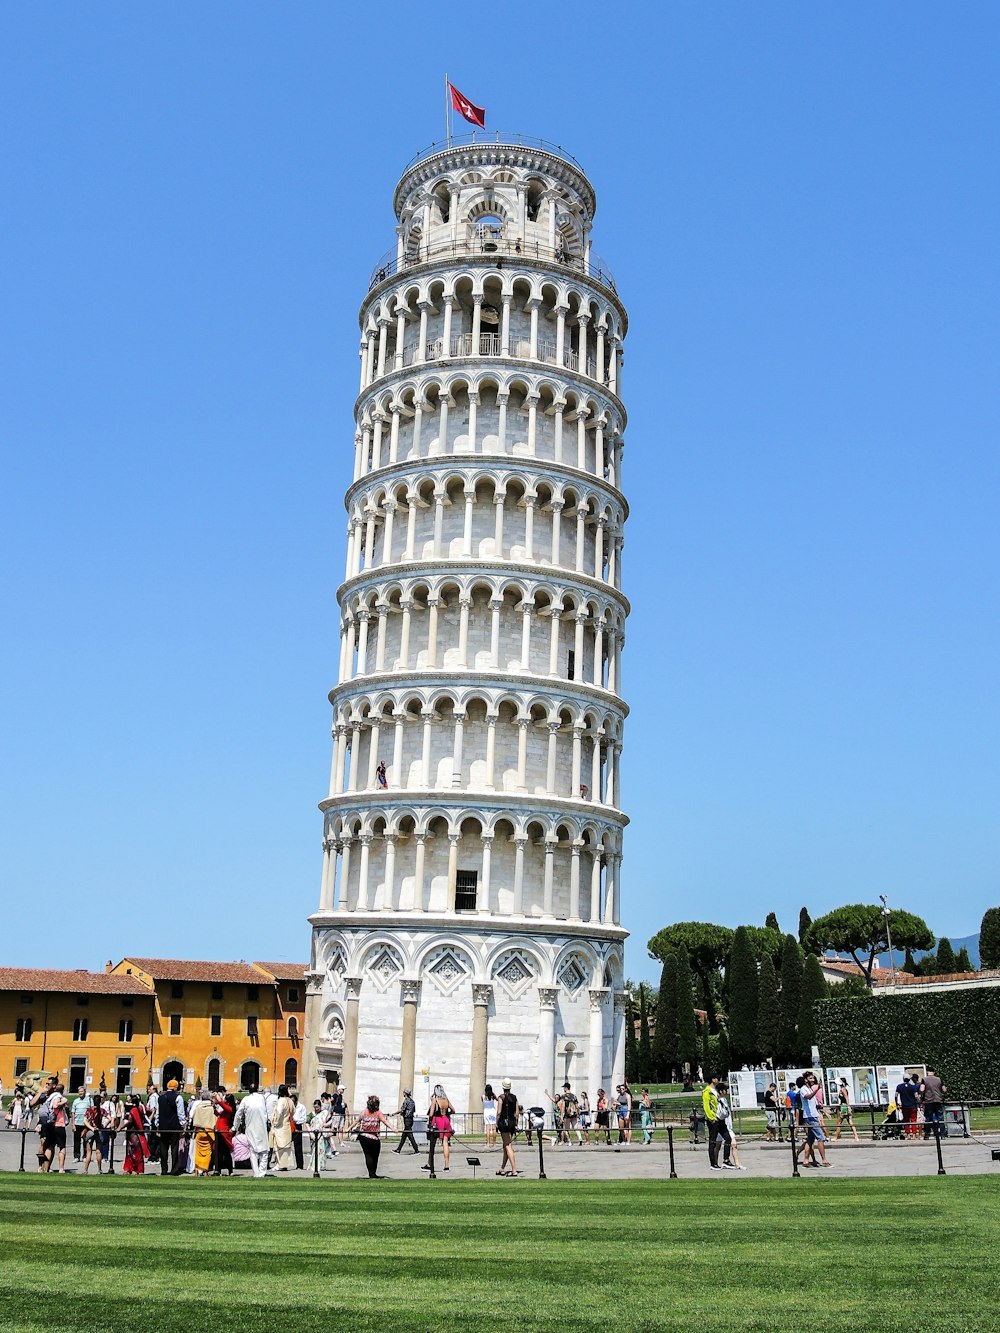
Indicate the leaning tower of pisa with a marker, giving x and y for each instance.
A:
(469, 918)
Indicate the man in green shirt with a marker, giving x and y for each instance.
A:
(716, 1128)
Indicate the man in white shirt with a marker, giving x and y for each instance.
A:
(299, 1117)
(252, 1120)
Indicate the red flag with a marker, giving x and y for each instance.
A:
(475, 114)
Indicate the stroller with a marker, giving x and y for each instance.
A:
(891, 1127)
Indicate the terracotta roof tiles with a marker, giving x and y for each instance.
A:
(69, 982)
(284, 971)
(181, 969)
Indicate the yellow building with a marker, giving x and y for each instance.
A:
(228, 1024)
(87, 1028)
(223, 1024)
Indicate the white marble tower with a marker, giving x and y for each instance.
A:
(469, 919)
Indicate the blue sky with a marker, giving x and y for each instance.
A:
(800, 205)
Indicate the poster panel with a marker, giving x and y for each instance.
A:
(861, 1082)
(890, 1076)
(743, 1090)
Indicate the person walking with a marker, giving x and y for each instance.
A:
(908, 1099)
(717, 1130)
(203, 1119)
(812, 1119)
(136, 1147)
(490, 1116)
(932, 1093)
(338, 1113)
(60, 1119)
(94, 1142)
(299, 1117)
(646, 1116)
(439, 1124)
(727, 1116)
(507, 1110)
(408, 1110)
(251, 1121)
(224, 1105)
(603, 1116)
(771, 1112)
(281, 1129)
(170, 1118)
(845, 1115)
(78, 1111)
(624, 1110)
(585, 1117)
(368, 1125)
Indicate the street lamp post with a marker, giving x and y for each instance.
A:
(888, 937)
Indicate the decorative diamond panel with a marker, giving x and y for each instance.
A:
(514, 973)
(572, 976)
(447, 970)
(337, 966)
(384, 967)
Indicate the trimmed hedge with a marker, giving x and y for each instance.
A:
(956, 1032)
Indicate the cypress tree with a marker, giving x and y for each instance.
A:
(768, 1011)
(631, 1045)
(805, 921)
(741, 978)
(814, 988)
(963, 963)
(989, 938)
(645, 1055)
(771, 922)
(665, 1041)
(791, 998)
(724, 1062)
(687, 1023)
(945, 956)
(908, 964)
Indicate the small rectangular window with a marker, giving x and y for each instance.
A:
(80, 1029)
(20, 1066)
(293, 994)
(570, 664)
(125, 1029)
(253, 993)
(27, 999)
(128, 1003)
(466, 890)
(216, 991)
(175, 1025)
(251, 1025)
(216, 1025)
(22, 1029)
(83, 1001)
(177, 990)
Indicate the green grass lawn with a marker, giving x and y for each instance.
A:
(419, 1257)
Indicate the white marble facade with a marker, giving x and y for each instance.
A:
(469, 918)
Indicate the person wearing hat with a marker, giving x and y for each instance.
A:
(407, 1109)
(203, 1125)
(507, 1128)
(170, 1119)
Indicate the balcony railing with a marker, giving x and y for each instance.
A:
(489, 248)
(490, 345)
(494, 138)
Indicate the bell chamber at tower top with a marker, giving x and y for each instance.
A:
(493, 261)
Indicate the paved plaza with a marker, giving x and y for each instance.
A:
(971, 1156)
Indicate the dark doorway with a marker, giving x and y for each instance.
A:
(291, 1073)
(123, 1074)
(250, 1075)
(214, 1075)
(78, 1073)
(173, 1069)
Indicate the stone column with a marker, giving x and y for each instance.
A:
(484, 885)
(595, 1052)
(410, 993)
(418, 872)
(574, 880)
(482, 993)
(519, 845)
(491, 750)
(349, 1072)
(329, 874)
(345, 871)
(389, 896)
(547, 998)
(309, 1077)
(618, 1066)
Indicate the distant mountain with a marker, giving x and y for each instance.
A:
(970, 942)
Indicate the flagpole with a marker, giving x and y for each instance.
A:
(447, 111)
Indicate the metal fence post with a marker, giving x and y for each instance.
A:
(791, 1140)
(541, 1157)
(937, 1139)
(315, 1156)
(670, 1144)
(113, 1134)
(24, 1134)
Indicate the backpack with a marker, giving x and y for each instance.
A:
(571, 1106)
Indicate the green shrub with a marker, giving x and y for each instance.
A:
(956, 1032)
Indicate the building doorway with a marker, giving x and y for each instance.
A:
(250, 1075)
(291, 1073)
(123, 1074)
(213, 1075)
(173, 1069)
(78, 1074)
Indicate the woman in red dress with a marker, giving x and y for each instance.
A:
(136, 1148)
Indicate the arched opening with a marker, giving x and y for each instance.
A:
(291, 1078)
(173, 1069)
(250, 1075)
(213, 1075)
